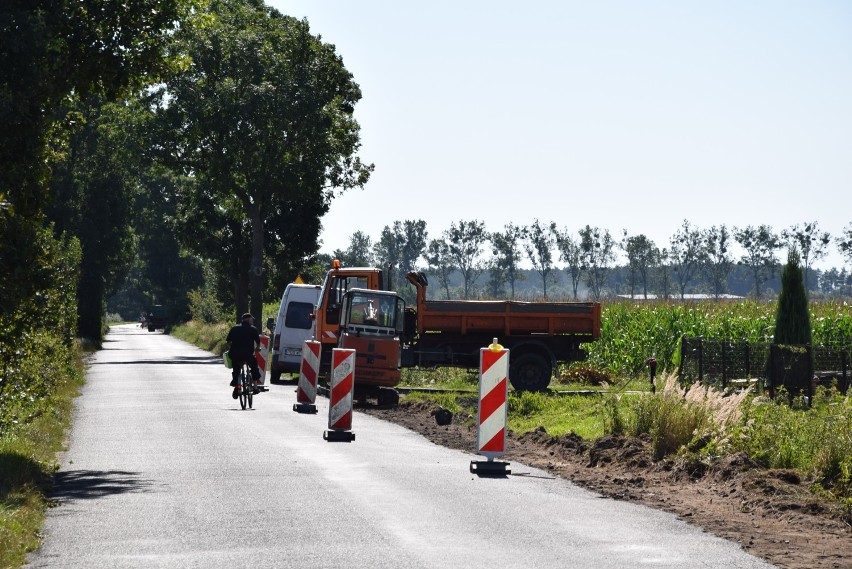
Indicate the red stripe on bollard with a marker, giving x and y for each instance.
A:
(493, 400)
(496, 444)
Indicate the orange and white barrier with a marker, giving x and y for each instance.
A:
(306, 392)
(261, 356)
(492, 409)
(341, 390)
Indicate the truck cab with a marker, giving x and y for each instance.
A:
(337, 282)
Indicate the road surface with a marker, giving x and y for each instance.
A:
(163, 469)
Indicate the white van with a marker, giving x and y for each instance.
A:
(293, 326)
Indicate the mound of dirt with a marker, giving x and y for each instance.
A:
(769, 512)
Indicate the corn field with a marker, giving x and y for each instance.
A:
(633, 331)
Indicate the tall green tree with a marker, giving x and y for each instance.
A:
(718, 260)
(642, 255)
(413, 245)
(359, 253)
(466, 241)
(440, 263)
(686, 255)
(398, 249)
(662, 277)
(598, 254)
(844, 243)
(792, 317)
(811, 243)
(50, 50)
(760, 244)
(506, 260)
(262, 118)
(92, 193)
(571, 253)
(539, 241)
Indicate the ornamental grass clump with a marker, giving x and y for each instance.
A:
(677, 417)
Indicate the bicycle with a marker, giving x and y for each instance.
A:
(246, 386)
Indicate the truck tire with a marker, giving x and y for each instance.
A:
(275, 376)
(530, 372)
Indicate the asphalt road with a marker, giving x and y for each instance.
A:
(163, 469)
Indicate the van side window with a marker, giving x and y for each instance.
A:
(298, 315)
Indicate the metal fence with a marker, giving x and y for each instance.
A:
(728, 364)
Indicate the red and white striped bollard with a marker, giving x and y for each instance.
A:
(492, 409)
(306, 392)
(341, 391)
(261, 357)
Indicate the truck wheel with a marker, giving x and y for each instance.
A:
(275, 376)
(530, 372)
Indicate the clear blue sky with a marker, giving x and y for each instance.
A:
(618, 114)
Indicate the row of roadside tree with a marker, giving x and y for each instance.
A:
(466, 260)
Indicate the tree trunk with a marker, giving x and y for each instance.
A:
(240, 294)
(256, 271)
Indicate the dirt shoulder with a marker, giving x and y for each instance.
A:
(769, 512)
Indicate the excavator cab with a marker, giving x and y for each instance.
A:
(372, 312)
(371, 322)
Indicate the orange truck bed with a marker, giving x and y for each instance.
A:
(509, 318)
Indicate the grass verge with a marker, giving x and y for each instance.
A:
(210, 337)
(699, 424)
(28, 459)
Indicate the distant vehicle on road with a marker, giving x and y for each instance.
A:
(159, 318)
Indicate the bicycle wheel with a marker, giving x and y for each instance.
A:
(250, 391)
(245, 389)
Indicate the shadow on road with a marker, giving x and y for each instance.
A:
(87, 484)
(175, 360)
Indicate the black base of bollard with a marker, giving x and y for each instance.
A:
(304, 408)
(339, 436)
(489, 468)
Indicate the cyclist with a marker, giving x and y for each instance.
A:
(243, 340)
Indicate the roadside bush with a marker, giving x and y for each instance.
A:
(210, 337)
(39, 372)
(37, 329)
(204, 307)
(816, 441)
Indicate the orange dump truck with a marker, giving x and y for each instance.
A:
(354, 312)
(539, 335)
